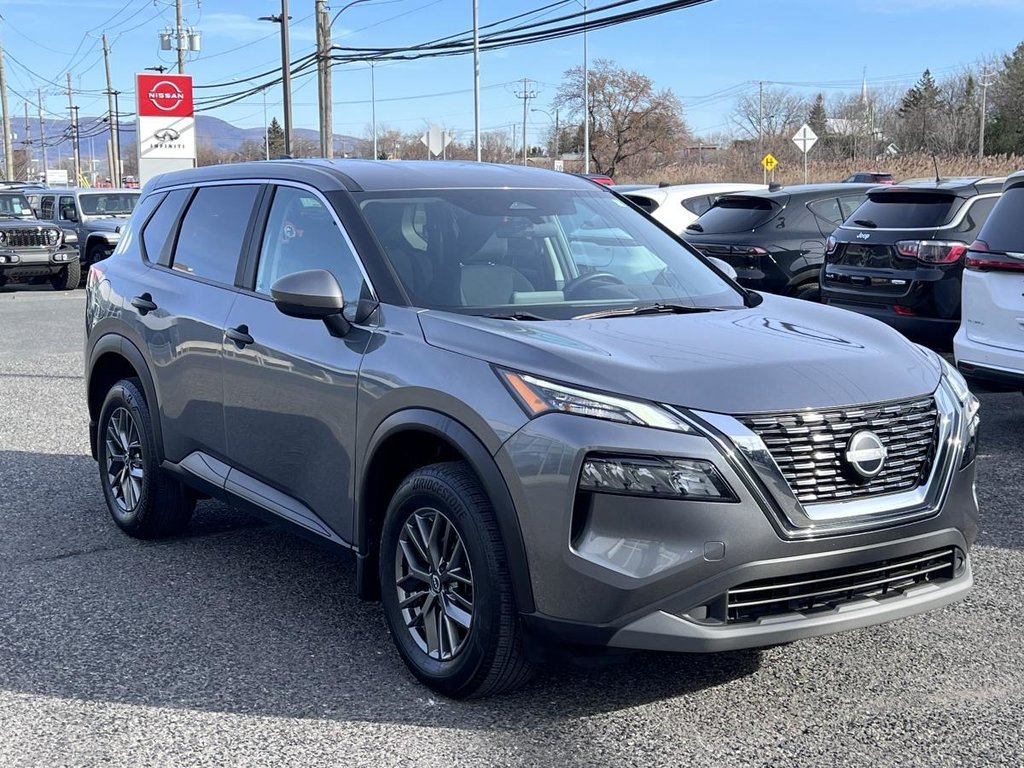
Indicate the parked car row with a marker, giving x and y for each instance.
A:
(55, 234)
(915, 255)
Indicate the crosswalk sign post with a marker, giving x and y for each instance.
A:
(768, 162)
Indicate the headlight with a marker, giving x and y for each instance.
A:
(52, 236)
(652, 476)
(970, 405)
(538, 396)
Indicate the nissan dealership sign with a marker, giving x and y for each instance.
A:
(166, 123)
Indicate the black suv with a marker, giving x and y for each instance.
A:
(899, 258)
(775, 240)
(33, 250)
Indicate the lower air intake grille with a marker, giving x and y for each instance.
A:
(809, 593)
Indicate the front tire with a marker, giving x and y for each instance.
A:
(144, 501)
(68, 278)
(446, 587)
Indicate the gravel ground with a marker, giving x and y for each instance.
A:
(236, 645)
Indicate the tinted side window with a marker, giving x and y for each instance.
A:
(301, 234)
(155, 235)
(67, 206)
(1002, 230)
(978, 213)
(213, 230)
(849, 204)
(827, 209)
(697, 205)
(46, 208)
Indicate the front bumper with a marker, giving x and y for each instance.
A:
(633, 572)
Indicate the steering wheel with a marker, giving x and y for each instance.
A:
(576, 283)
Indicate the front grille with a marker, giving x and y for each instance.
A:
(809, 593)
(25, 238)
(810, 448)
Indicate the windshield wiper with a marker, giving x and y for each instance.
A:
(648, 309)
(516, 316)
(866, 223)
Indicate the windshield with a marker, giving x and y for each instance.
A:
(15, 205)
(735, 214)
(906, 210)
(549, 253)
(108, 203)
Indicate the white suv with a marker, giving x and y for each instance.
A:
(989, 346)
(680, 205)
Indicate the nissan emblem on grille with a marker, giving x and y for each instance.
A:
(865, 453)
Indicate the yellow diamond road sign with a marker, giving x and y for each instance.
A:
(769, 162)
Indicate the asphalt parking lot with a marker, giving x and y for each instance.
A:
(237, 645)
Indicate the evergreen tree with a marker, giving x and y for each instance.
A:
(1005, 127)
(817, 118)
(275, 138)
(918, 112)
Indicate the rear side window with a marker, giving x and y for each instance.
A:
(736, 214)
(908, 210)
(46, 208)
(849, 204)
(644, 203)
(213, 230)
(158, 228)
(1003, 231)
(697, 205)
(827, 209)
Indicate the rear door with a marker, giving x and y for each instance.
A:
(183, 303)
(993, 284)
(290, 394)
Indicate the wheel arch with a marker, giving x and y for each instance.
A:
(112, 358)
(405, 441)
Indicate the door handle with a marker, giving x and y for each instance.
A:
(144, 303)
(240, 336)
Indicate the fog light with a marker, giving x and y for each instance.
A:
(650, 476)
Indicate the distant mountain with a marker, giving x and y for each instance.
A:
(94, 133)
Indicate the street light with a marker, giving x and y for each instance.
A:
(286, 75)
(555, 121)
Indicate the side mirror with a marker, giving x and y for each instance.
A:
(314, 295)
(69, 214)
(724, 266)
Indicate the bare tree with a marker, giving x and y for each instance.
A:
(773, 112)
(633, 126)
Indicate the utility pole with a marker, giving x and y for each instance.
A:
(27, 143)
(984, 110)
(178, 37)
(286, 78)
(115, 144)
(586, 95)
(526, 94)
(323, 70)
(760, 123)
(8, 150)
(476, 79)
(373, 109)
(42, 136)
(73, 111)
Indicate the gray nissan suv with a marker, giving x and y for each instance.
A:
(537, 419)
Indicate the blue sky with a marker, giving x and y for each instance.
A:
(705, 54)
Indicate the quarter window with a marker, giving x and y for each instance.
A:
(213, 230)
(697, 205)
(849, 204)
(302, 234)
(46, 208)
(160, 224)
(827, 209)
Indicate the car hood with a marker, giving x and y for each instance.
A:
(105, 224)
(783, 355)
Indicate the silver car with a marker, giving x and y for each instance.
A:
(92, 217)
(534, 416)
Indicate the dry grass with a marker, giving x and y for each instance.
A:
(730, 167)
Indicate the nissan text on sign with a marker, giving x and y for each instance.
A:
(166, 124)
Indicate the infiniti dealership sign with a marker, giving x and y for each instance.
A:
(166, 124)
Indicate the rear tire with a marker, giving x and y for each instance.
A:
(446, 587)
(68, 278)
(808, 292)
(144, 501)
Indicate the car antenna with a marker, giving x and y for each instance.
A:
(935, 161)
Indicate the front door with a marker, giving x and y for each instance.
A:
(290, 394)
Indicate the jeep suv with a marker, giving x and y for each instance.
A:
(528, 411)
(93, 217)
(899, 257)
(31, 249)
